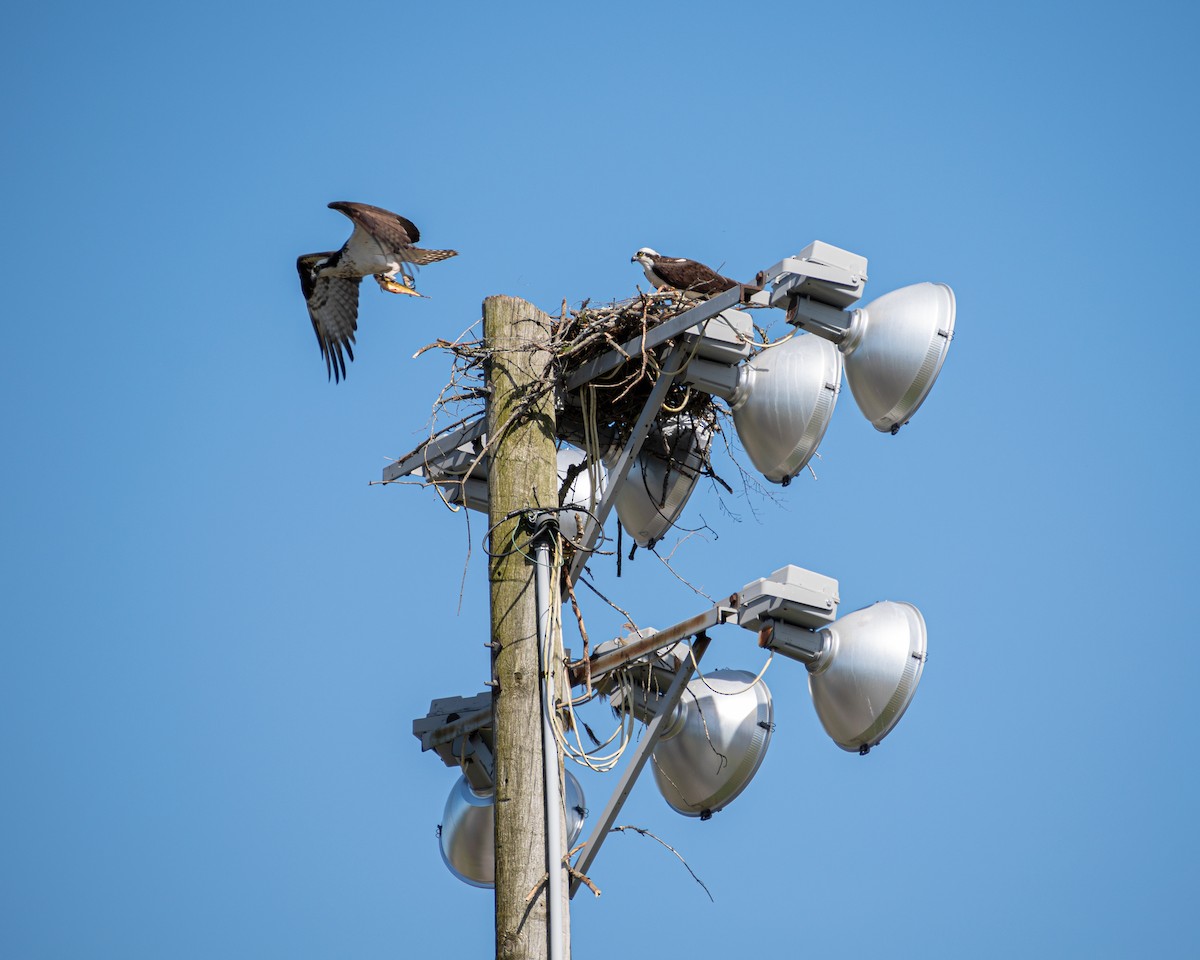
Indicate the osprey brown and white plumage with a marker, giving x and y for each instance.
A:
(381, 246)
(690, 278)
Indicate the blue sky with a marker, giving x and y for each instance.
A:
(217, 633)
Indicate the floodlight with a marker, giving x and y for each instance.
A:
(894, 350)
(581, 494)
(714, 743)
(714, 738)
(784, 402)
(894, 346)
(468, 830)
(863, 668)
(662, 478)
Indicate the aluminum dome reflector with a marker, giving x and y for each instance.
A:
(894, 351)
(785, 399)
(663, 477)
(468, 835)
(472, 491)
(580, 492)
(714, 742)
(867, 672)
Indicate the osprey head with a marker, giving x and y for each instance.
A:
(309, 266)
(316, 262)
(645, 256)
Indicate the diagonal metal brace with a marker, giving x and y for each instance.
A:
(649, 741)
(633, 447)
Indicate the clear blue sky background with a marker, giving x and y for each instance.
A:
(216, 634)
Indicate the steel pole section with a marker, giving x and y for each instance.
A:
(555, 831)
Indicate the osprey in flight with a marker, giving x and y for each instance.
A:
(690, 278)
(380, 246)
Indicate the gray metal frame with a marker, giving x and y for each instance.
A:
(633, 446)
(434, 449)
(634, 768)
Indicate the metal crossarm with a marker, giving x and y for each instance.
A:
(652, 338)
(434, 449)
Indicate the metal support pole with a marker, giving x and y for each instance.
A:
(555, 831)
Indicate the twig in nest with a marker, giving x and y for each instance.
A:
(438, 343)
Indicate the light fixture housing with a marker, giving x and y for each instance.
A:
(467, 837)
(581, 496)
(863, 668)
(894, 349)
(714, 742)
(784, 401)
(663, 477)
(471, 491)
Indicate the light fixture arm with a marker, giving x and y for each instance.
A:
(606, 661)
(816, 286)
(796, 643)
(434, 449)
(825, 321)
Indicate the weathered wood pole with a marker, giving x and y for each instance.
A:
(522, 476)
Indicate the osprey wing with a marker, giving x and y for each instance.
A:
(333, 309)
(420, 258)
(691, 276)
(392, 230)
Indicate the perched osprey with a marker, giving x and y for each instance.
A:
(690, 278)
(380, 246)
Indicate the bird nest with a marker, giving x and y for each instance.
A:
(612, 403)
(599, 416)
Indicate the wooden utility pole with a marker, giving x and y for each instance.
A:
(522, 477)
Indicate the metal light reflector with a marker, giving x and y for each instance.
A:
(468, 833)
(867, 673)
(579, 493)
(894, 351)
(663, 477)
(714, 743)
(472, 491)
(784, 401)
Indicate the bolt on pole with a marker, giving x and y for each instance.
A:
(522, 478)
